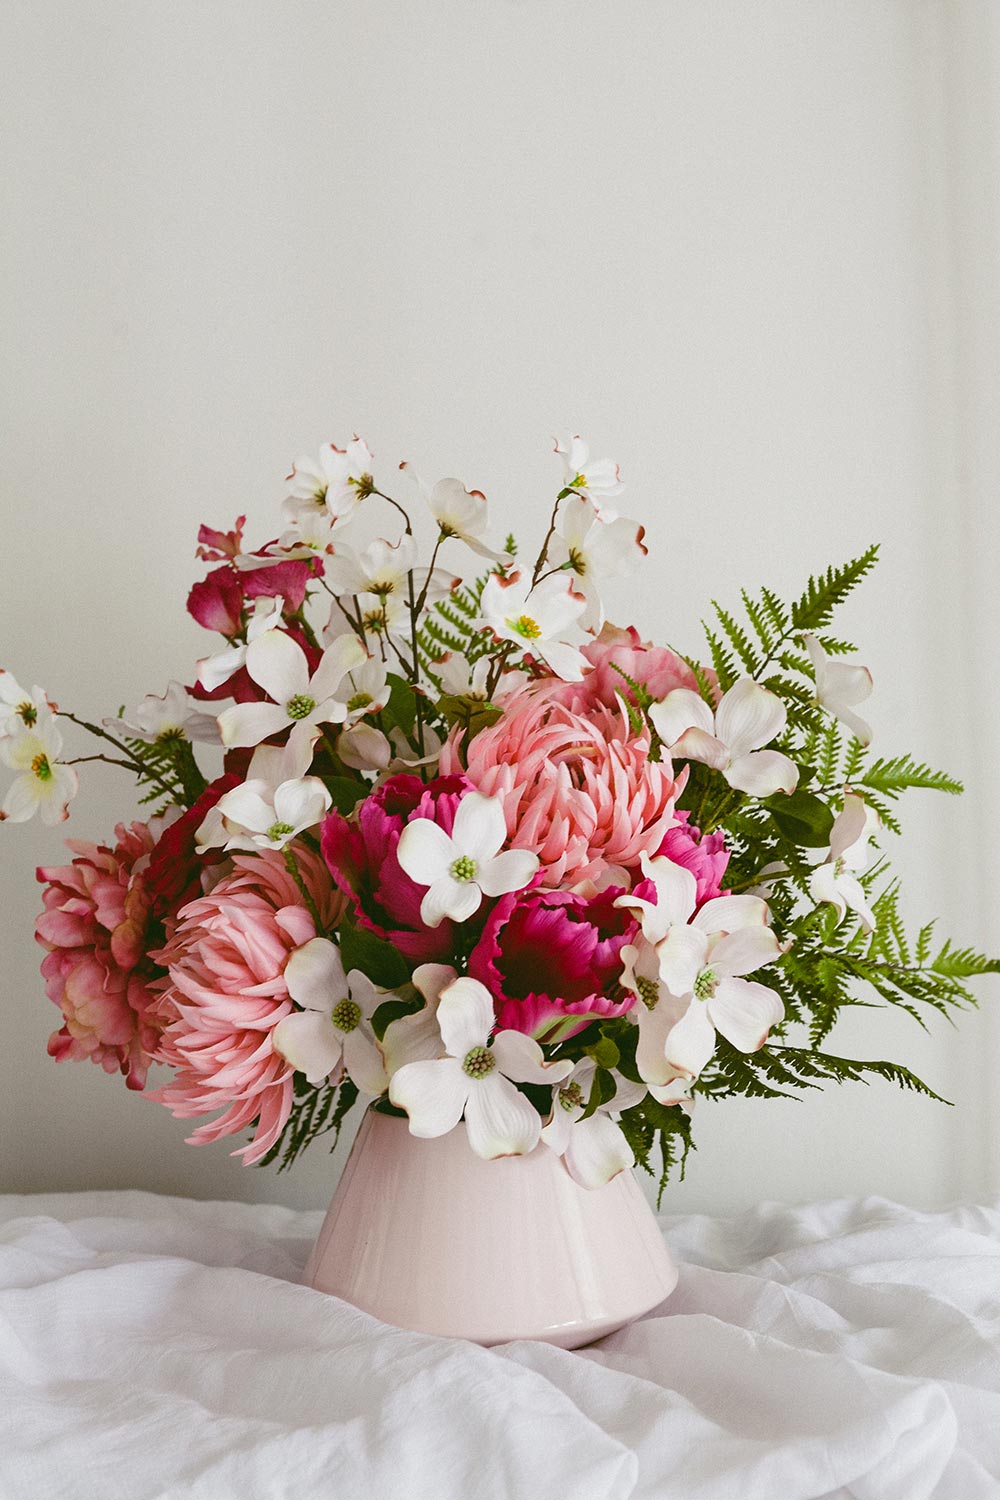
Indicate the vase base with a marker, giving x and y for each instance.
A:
(428, 1237)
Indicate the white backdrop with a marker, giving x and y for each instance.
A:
(749, 251)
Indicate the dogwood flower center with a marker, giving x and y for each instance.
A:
(300, 707)
(279, 831)
(40, 767)
(571, 1097)
(464, 868)
(649, 991)
(170, 734)
(478, 1062)
(346, 1015)
(360, 700)
(28, 714)
(706, 984)
(524, 625)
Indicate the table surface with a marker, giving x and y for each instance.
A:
(154, 1347)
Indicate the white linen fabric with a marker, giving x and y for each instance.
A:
(153, 1348)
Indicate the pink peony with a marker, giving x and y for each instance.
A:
(361, 854)
(578, 788)
(705, 855)
(657, 668)
(226, 993)
(96, 927)
(547, 956)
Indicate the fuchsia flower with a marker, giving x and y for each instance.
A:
(552, 960)
(579, 789)
(227, 992)
(96, 927)
(361, 854)
(705, 855)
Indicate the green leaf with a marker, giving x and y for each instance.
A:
(392, 1010)
(379, 960)
(895, 775)
(814, 609)
(601, 1091)
(401, 708)
(605, 1053)
(346, 792)
(802, 817)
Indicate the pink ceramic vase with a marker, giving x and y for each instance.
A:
(426, 1235)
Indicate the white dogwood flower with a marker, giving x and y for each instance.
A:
(279, 665)
(840, 686)
(461, 868)
(44, 785)
(337, 481)
(458, 512)
(594, 548)
(542, 621)
(476, 1077)
(20, 709)
(157, 720)
(593, 1150)
(598, 479)
(730, 740)
(333, 1027)
(836, 880)
(213, 671)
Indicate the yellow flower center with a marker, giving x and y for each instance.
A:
(40, 767)
(526, 626)
(27, 713)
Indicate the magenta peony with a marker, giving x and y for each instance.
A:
(578, 788)
(705, 855)
(226, 993)
(361, 854)
(549, 957)
(96, 927)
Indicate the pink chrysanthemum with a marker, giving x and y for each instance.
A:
(579, 790)
(95, 926)
(227, 992)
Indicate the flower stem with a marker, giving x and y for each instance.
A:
(292, 866)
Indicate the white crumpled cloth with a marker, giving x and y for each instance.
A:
(159, 1347)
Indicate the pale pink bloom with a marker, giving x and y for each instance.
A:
(20, 709)
(580, 791)
(730, 740)
(836, 880)
(170, 716)
(541, 620)
(594, 1149)
(616, 651)
(383, 568)
(227, 992)
(598, 479)
(840, 686)
(476, 1077)
(94, 926)
(594, 548)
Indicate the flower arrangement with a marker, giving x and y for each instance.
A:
(470, 851)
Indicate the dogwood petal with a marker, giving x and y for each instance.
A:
(301, 803)
(680, 711)
(499, 1120)
(509, 871)
(695, 744)
(860, 728)
(850, 825)
(249, 723)
(856, 897)
(520, 1058)
(566, 661)
(748, 717)
(824, 885)
(21, 801)
(681, 955)
(743, 951)
(761, 773)
(654, 1027)
(628, 1093)
(556, 1134)
(343, 654)
(597, 1151)
(310, 1042)
(364, 1063)
(247, 806)
(690, 1044)
(480, 828)
(728, 913)
(213, 671)
(425, 852)
(433, 1095)
(554, 604)
(844, 684)
(278, 665)
(676, 888)
(465, 1016)
(56, 795)
(314, 975)
(414, 1038)
(364, 748)
(744, 1012)
(448, 897)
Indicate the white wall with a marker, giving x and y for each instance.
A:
(739, 246)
